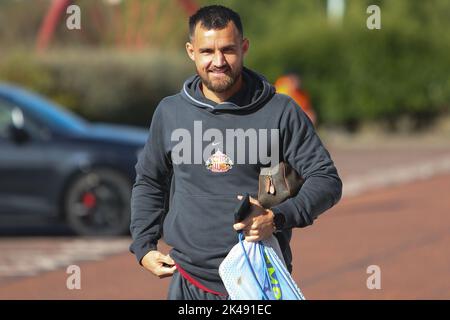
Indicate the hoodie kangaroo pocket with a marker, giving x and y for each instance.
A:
(201, 226)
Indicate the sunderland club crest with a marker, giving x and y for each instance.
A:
(219, 162)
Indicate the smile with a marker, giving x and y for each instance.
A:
(221, 71)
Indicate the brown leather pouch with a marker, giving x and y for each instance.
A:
(277, 184)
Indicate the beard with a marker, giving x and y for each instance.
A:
(225, 83)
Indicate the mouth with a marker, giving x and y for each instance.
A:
(221, 71)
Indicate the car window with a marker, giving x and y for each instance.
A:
(6, 116)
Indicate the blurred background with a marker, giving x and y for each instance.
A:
(75, 107)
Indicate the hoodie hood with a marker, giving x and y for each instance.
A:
(255, 92)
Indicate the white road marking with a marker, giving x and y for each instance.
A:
(23, 261)
(380, 178)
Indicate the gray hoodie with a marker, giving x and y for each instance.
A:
(204, 154)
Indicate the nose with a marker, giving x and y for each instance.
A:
(218, 59)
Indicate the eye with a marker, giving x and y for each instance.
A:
(229, 50)
(205, 51)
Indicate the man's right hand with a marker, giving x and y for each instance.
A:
(159, 264)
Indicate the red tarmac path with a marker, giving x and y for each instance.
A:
(405, 230)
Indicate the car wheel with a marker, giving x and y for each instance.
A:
(98, 203)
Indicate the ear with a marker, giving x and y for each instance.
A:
(245, 45)
(190, 50)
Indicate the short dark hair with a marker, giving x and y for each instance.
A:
(214, 17)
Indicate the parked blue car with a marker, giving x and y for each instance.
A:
(55, 164)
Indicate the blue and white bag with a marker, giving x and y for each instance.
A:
(257, 271)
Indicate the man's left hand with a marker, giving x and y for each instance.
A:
(259, 225)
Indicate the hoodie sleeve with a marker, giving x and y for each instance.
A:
(304, 151)
(150, 190)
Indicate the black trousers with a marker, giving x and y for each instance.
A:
(181, 289)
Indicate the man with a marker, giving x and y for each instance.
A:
(206, 147)
(291, 85)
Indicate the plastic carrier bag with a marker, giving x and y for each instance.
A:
(256, 271)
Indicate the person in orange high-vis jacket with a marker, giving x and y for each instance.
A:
(290, 84)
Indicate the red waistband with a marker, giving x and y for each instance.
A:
(196, 283)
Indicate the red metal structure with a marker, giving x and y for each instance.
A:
(54, 14)
(190, 6)
(58, 8)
